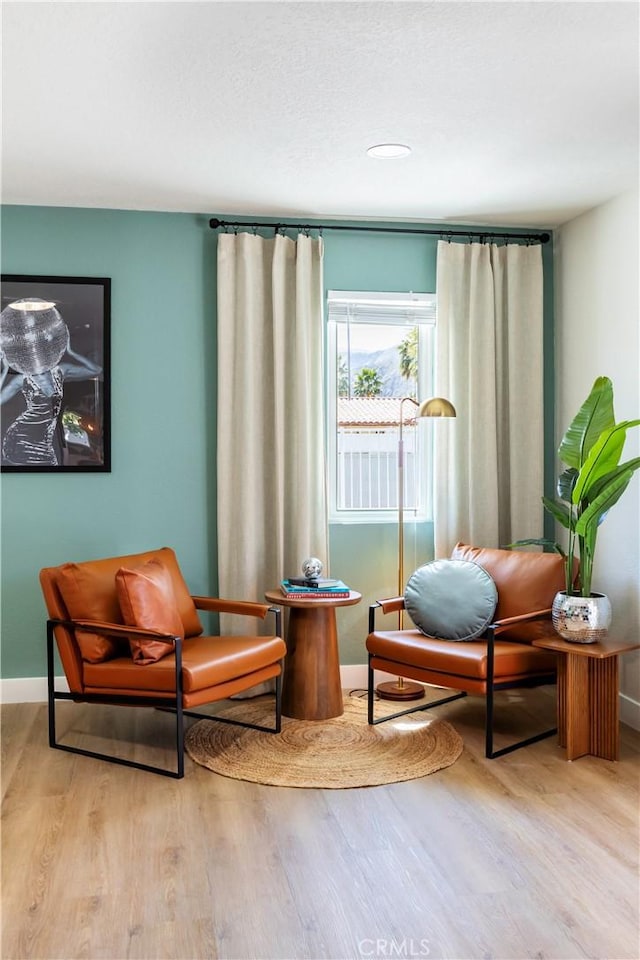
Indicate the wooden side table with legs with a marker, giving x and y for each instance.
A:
(311, 687)
(588, 701)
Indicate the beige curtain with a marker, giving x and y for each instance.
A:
(489, 363)
(271, 502)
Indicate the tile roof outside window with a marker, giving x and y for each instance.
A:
(372, 412)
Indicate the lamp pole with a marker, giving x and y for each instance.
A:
(435, 407)
(401, 507)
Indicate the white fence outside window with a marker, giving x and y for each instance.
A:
(367, 469)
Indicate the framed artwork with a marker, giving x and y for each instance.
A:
(55, 412)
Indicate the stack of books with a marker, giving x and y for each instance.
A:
(297, 588)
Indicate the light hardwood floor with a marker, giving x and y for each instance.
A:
(524, 856)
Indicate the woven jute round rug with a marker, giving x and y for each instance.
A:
(326, 754)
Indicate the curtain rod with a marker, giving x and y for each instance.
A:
(215, 224)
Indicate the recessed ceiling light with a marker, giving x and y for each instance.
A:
(389, 151)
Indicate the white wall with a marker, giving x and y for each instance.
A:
(597, 334)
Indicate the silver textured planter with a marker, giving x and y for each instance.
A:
(581, 619)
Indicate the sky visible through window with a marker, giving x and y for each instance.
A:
(370, 337)
(369, 357)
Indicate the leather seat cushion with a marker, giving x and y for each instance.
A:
(206, 662)
(459, 659)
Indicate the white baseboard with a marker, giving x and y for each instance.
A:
(629, 711)
(353, 676)
(28, 689)
(34, 689)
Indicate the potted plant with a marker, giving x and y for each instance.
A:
(593, 481)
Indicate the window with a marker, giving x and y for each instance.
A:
(380, 350)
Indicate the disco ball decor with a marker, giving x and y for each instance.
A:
(312, 568)
(33, 335)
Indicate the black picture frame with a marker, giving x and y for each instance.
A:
(55, 374)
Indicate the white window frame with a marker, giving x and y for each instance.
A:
(416, 309)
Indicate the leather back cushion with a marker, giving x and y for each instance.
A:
(88, 595)
(89, 592)
(526, 581)
(147, 600)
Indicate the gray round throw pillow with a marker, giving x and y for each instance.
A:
(451, 599)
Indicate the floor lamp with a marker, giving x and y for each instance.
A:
(401, 689)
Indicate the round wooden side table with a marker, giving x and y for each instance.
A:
(311, 685)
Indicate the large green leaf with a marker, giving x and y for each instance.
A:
(566, 483)
(537, 542)
(603, 457)
(603, 502)
(596, 488)
(594, 416)
(558, 511)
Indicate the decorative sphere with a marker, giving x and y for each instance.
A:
(33, 335)
(312, 568)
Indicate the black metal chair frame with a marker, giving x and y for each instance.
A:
(169, 704)
(492, 687)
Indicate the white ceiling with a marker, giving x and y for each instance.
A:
(517, 112)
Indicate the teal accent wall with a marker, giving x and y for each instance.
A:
(161, 490)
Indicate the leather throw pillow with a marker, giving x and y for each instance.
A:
(147, 600)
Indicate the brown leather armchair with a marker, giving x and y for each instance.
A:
(178, 668)
(502, 659)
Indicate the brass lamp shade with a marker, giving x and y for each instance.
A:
(436, 407)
